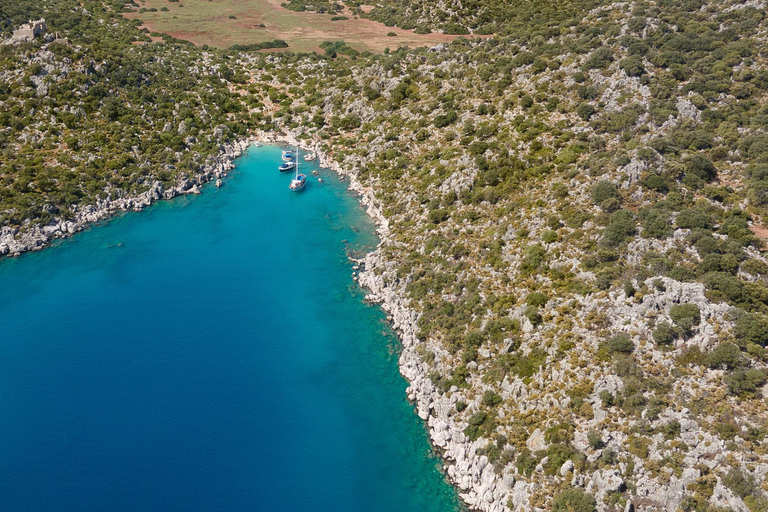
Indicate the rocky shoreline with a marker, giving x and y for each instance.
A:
(469, 471)
(478, 484)
(475, 478)
(14, 242)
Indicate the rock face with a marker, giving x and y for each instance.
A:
(14, 241)
(479, 485)
(29, 31)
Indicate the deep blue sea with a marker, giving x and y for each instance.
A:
(209, 353)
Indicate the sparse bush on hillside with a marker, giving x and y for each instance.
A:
(574, 500)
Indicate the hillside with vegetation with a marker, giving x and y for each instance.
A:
(92, 113)
(573, 237)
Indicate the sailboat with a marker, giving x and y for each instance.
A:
(299, 180)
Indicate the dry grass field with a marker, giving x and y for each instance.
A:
(222, 23)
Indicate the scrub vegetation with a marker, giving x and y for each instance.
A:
(574, 210)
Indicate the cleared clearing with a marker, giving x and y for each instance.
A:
(222, 23)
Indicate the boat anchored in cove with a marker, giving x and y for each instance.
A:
(299, 180)
(287, 166)
(289, 163)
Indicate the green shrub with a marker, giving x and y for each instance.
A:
(537, 299)
(655, 182)
(479, 423)
(664, 334)
(455, 29)
(639, 446)
(607, 398)
(745, 382)
(726, 355)
(558, 454)
(685, 316)
(754, 267)
(620, 226)
(633, 65)
(574, 500)
(491, 399)
(526, 462)
(740, 483)
(655, 223)
(723, 286)
(446, 119)
(533, 258)
(701, 167)
(671, 429)
(549, 237)
(751, 328)
(533, 315)
(602, 192)
(621, 344)
(585, 111)
(600, 58)
(692, 218)
(594, 439)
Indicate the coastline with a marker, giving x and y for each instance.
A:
(471, 473)
(14, 242)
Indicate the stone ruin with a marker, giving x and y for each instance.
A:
(29, 31)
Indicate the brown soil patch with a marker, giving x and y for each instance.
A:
(760, 231)
(208, 22)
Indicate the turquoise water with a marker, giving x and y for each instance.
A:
(209, 353)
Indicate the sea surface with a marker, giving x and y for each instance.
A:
(209, 353)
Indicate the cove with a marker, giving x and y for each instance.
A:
(209, 353)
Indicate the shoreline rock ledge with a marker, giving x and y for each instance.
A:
(15, 241)
(468, 470)
(473, 475)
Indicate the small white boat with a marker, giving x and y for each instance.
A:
(218, 182)
(257, 144)
(287, 166)
(315, 173)
(287, 156)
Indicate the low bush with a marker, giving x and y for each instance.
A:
(664, 334)
(574, 500)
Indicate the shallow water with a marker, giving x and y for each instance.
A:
(209, 353)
